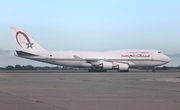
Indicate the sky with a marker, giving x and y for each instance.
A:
(91, 25)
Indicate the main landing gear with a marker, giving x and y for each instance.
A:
(123, 70)
(96, 70)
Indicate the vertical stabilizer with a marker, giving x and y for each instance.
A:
(24, 41)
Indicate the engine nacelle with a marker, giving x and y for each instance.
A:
(123, 67)
(107, 65)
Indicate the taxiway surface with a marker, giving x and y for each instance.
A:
(138, 90)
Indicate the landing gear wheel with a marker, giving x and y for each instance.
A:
(154, 69)
(97, 70)
(123, 70)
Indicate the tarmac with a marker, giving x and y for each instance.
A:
(80, 90)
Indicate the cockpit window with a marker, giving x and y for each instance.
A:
(159, 52)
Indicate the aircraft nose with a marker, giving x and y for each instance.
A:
(166, 59)
(169, 59)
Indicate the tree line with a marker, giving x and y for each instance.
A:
(19, 67)
(30, 67)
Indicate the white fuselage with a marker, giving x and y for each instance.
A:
(134, 58)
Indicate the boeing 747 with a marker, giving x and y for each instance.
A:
(121, 60)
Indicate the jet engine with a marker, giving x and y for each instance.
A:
(123, 67)
(107, 65)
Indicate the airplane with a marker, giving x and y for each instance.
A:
(95, 61)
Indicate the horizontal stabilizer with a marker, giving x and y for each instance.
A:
(22, 53)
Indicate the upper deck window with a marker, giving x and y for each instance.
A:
(144, 52)
(132, 52)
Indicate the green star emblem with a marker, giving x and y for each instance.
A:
(29, 45)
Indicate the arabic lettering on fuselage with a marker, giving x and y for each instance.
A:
(133, 55)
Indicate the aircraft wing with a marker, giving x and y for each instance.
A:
(85, 59)
(78, 58)
(93, 61)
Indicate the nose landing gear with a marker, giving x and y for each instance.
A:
(154, 69)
